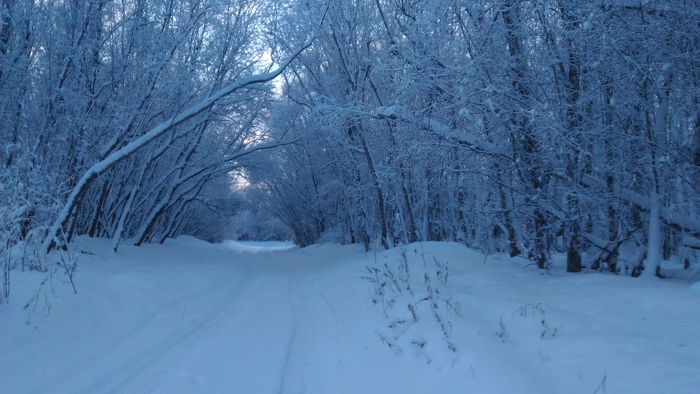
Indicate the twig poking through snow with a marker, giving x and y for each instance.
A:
(601, 386)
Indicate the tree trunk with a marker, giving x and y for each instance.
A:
(653, 261)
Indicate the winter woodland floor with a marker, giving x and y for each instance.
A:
(191, 317)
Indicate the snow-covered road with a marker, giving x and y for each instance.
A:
(191, 317)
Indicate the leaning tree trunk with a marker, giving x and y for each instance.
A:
(84, 183)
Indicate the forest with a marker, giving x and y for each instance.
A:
(527, 127)
(349, 196)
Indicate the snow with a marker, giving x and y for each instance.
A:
(193, 317)
(258, 246)
(389, 111)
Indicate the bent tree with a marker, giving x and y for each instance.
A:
(82, 185)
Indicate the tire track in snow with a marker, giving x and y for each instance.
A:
(138, 364)
(290, 343)
(220, 349)
(314, 357)
(335, 330)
